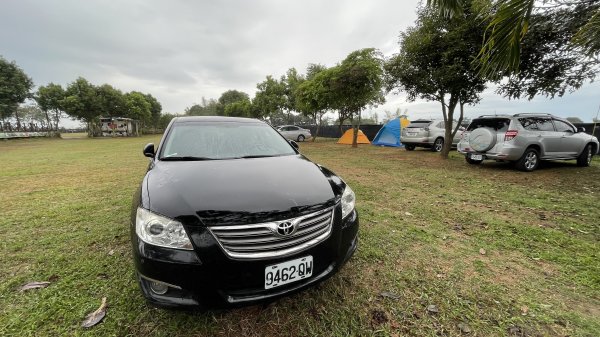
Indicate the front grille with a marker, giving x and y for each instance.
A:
(263, 240)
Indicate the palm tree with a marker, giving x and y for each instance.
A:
(501, 48)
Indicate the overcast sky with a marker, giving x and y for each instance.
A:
(180, 51)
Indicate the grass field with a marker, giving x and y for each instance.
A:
(424, 226)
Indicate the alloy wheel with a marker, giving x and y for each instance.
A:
(531, 160)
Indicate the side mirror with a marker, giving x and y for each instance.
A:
(149, 150)
(581, 129)
(294, 144)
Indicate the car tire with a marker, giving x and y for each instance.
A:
(438, 145)
(529, 161)
(473, 162)
(409, 147)
(301, 138)
(585, 158)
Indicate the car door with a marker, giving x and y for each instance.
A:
(570, 144)
(294, 132)
(540, 131)
(284, 130)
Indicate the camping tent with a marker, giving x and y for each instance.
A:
(389, 134)
(348, 135)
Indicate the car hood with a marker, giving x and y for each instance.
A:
(240, 191)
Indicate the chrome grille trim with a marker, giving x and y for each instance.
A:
(259, 241)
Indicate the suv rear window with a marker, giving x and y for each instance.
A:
(498, 124)
(419, 124)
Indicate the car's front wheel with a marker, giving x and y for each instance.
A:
(585, 158)
(529, 161)
(301, 138)
(438, 145)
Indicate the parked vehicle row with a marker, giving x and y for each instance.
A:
(526, 139)
(523, 139)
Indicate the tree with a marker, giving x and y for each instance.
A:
(549, 65)
(206, 107)
(15, 87)
(269, 98)
(228, 97)
(138, 107)
(574, 120)
(290, 81)
(50, 100)
(32, 114)
(313, 96)
(83, 103)
(435, 64)
(509, 24)
(112, 101)
(241, 108)
(357, 83)
(155, 109)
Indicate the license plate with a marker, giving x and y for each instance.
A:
(411, 134)
(287, 272)
(477, 157)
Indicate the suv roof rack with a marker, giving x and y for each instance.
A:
(500, 115)
(532, 114)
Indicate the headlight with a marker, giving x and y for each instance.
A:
(160, 231)
(348, 199)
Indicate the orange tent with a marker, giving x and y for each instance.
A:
(348, 135)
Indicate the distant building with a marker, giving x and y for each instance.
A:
(119, 126)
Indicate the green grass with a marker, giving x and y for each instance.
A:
(65, 210)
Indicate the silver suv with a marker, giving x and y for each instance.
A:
(525, 139)
(428, 133)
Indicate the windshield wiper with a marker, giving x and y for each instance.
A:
(185, 158)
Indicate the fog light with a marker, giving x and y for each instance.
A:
(158, 288)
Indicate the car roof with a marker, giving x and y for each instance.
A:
(185, 119)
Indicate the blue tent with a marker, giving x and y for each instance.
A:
(389, 134)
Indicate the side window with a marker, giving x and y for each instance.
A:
(441, 125)
(287, 128)
(293, 128)
(562, 126)
(537, 124)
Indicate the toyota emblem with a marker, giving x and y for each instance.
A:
(286, 228)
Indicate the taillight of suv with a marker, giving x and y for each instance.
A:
(510, 134)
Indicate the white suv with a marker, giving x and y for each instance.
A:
(525, 139)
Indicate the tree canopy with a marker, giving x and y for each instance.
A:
(15, 87)
(435, 63)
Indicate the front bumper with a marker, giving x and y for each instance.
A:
(206, 278)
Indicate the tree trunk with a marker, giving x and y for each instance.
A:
(18, 120)
(314, 138)
(356, 128)
(448, 118)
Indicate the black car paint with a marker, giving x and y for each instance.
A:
(236, 191)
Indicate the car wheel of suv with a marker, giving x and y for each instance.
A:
(529, 161)
(585, 158)
(473, 162)
(438, 145)
(301, 138)
(409, 147)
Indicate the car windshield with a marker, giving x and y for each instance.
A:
(223, 140)
(419, 124)
(498, 124)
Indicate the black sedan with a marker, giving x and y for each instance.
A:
(229, 213)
